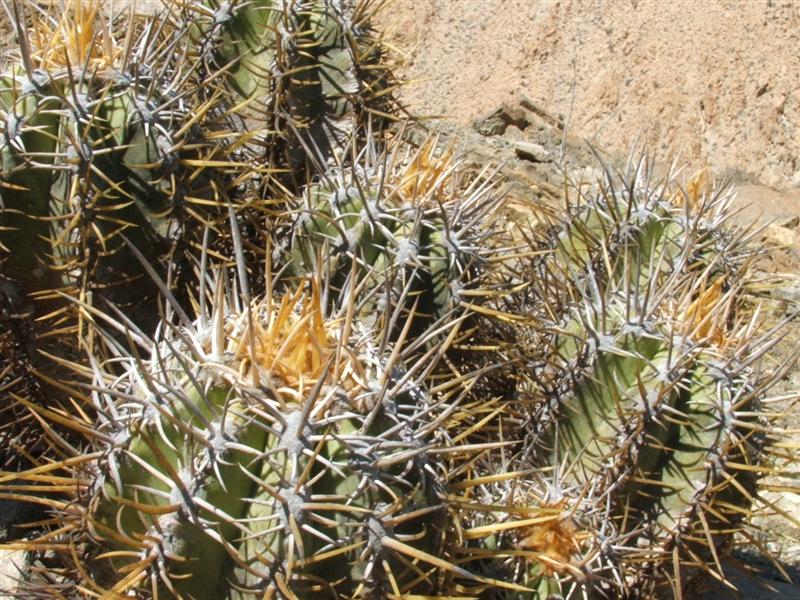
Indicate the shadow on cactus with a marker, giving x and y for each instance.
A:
(28, 378)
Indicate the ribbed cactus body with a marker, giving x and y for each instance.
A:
(402, 248)
(304, 75)
(86, 162)
(331, 506)
(325, 84)
(167, 481)
(634, 238)
(243, 38)
(647, 409)
(30, 126)
(649, 426)
(650, 408)
(339, 223)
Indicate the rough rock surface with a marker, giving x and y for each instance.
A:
(715, 80)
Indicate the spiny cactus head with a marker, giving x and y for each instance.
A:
(260, 444)
(397, 233)
(73, 38)
(196, 423)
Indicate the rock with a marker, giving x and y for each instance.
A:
(496, 122)
(539, 111)
(763, 205)
(12, 562)
(781, 236)
(513, 134)
(532, 152)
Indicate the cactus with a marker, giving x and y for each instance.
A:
(632, 441)
(271, 443)
(103, 181)
(646, 410)
(403, 234)
(91, 151)
(337, 78)
(309, 74)
(652, 423)
(601, 441)
(420, 403)
(255, 453)
(104, 142)
(240, 37)
(648, 230)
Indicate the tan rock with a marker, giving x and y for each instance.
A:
(781, 236)
(11, 562)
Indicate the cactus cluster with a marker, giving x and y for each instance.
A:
(300, 356)
(263, 459)
(97, 149)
